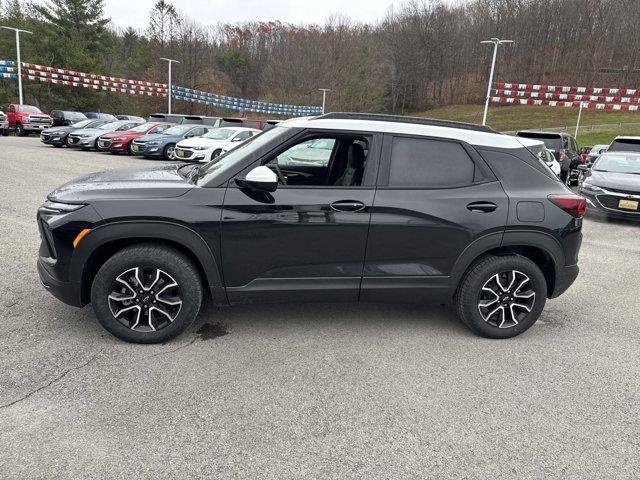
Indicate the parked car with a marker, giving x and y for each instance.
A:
(131, 117)
(550, 161)
(120, 141)
(4, 124)
(213, 143)
(625, 144)
(596, 151)
(64, 118)
(24, 119)
(564, 148)
(209, 121)
(100, 116)
(584, 153)
(162, 145)
(612, 184)
(87, 138)
(57, 136)
(403, 210)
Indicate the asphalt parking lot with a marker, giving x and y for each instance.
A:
(312, 391)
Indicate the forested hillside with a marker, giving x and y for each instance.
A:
(422, 55)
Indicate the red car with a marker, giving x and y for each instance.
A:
(120, 142)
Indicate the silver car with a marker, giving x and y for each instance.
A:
(87, 138)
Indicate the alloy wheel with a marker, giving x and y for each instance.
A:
(145, 299)
(171, 152)
(506, 299)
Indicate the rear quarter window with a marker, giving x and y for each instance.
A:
(427, 163)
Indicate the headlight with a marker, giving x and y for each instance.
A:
(198, 148)
(117, 139)
(590, 187)
(57, 208)
(155, 143)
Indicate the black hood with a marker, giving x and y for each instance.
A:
(130, 183)
(627, 182)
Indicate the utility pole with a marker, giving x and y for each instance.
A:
(169, 61)
(496, 42)
(18, 30)
(324, 97)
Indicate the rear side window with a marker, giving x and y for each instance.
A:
(429, 164)
(552, 141)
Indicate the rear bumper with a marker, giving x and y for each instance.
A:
(67, 292)
(564, 279)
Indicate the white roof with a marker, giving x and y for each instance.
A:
(626, 137)
(474, 137)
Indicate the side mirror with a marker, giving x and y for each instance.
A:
(260, 178)
(584, 167)
(236, 139)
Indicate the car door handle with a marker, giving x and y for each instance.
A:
(482, 207)
(347, 206)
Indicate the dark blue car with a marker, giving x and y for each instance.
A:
(162, 145)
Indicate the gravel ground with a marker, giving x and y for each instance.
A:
(312, 391)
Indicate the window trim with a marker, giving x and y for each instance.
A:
(482, 171)
(371, 168)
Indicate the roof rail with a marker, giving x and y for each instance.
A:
(379, 117)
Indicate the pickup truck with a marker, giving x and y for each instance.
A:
(27, 118)
(4, 124)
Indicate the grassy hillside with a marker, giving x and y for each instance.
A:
(511, 118)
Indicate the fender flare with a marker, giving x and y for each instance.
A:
(151, 230)
(510, 238)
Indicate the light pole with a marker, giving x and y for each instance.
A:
(496, 42)
(324, 97)
(18, 30)
(169, 61)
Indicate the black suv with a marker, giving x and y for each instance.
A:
(564, 148)
(341, 207)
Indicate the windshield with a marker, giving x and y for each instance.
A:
(625, 145)
(28, 109)
(177, 130)
(619, 163)
(228, 160)
(109, 126)
(140, 128)
(84, 123)
(75, 116)
(220, 134)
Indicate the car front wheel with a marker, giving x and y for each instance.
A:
(169, 152)
(501, 296)
(146, 294)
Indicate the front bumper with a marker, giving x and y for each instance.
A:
(153, 151)
(607, 203)
(191, 155)
(81, 142)
(53, 139)
(67, 292)
(35, 127)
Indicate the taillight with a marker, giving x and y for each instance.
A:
(574, 205)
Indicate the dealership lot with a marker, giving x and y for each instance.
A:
(297, 391)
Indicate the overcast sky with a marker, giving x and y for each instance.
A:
(134, 13)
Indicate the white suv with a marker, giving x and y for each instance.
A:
(212, 144)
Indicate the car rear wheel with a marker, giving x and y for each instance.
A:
(501, 296)
(146, 294)
(169, 152)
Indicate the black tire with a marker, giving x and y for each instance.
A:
(56, 145)
(468, 298)
(129, 151)
(166, 152)
(176, 266)
(216, 153)
(5, 132)
(20, 131)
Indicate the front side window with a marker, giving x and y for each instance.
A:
(326, 161)
(429, 163)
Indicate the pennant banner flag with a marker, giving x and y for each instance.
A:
(72, 78)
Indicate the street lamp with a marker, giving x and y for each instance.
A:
(18, 30)
(324, 97)
(496, 42)
(169, 61)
